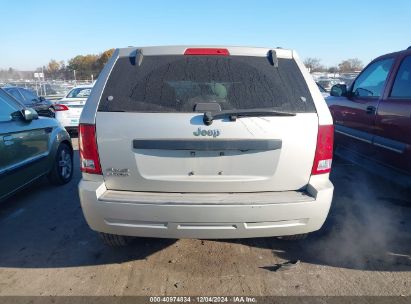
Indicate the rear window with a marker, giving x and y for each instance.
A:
(79, 93)
(177, 83)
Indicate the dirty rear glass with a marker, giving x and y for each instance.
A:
(178, 83)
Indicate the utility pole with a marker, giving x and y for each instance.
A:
(42, 73)
(35, 81)
(75, 80)
(92, 78)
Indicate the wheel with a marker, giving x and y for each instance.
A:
(114, 240)
(62, 170)
(294, 237)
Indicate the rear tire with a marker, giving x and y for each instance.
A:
(114, 240)
(295, 237)
(62, 170)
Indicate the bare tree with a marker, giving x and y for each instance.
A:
(313, 64)
(332, 70)
(350, 65)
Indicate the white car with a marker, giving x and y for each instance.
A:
(327, 83)
(68, 109)
(205, 142)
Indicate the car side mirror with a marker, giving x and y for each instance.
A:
(339, 90)
(30, 114)
(41, 98)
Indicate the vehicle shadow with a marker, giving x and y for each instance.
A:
(43, 227)
(368, 229)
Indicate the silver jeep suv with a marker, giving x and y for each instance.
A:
(205, 142)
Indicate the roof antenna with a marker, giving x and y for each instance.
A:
(274, 59)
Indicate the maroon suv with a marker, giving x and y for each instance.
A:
(372, 117)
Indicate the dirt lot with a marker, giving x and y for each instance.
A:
(46, 248)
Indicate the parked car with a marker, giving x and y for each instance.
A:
(324, 93)
(373, 117)
(30, 99)
(69, 108)
(31, 147)
(181, 142)
(327, 83)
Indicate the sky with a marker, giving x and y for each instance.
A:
(33, 32)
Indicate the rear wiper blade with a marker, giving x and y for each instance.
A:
(234, 114)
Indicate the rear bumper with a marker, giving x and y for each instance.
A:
(195, 215)
(68, 122)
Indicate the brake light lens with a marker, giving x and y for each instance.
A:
(324, 151)
(89, 158)
(207, 51)
(60, 107)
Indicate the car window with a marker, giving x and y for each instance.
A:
(29, 96)
(7, 106)
(174, 83)
(371, 81)
(402, 84)
(322, 90)
(15, 93)
(79, 93)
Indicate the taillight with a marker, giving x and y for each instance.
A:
(207, 51)
(89, 159)
(60, 107)
(324, 151)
